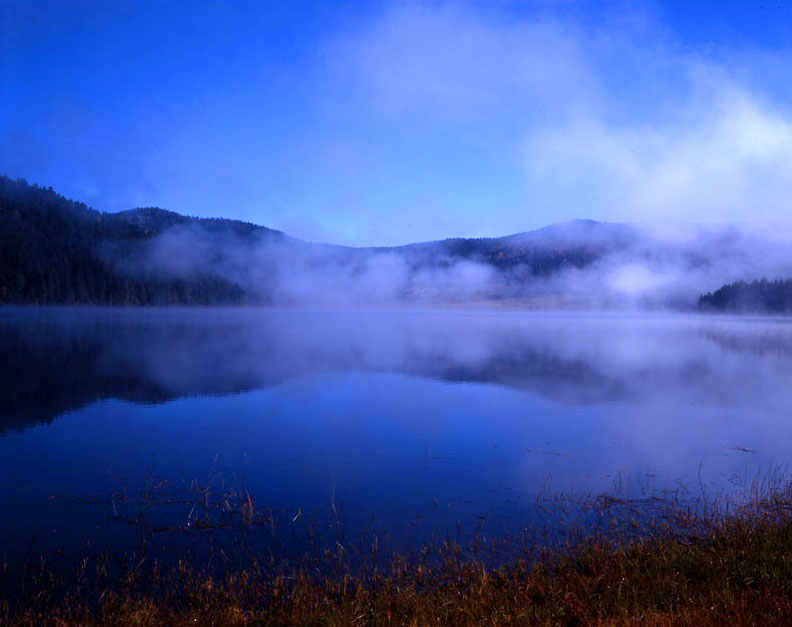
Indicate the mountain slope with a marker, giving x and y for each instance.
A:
(54, 251)
(57, 251)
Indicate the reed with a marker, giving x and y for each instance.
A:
(727, 563)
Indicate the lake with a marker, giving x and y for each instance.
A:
(293, 426)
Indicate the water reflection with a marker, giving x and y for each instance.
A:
(52, 361)
(415, 418)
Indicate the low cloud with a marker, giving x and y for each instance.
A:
(578, 265)
(734, 163)
(615, 119)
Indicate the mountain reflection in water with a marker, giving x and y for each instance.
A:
(57, 360)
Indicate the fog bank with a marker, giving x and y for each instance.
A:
(580, 264)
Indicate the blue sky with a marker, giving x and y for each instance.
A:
(382, 123)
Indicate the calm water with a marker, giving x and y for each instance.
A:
(417, 423)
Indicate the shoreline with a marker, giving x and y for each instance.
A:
(732, 565)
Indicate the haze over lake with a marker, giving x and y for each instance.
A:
(412, 421)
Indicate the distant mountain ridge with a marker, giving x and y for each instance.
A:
(57, 251)
(575, 243)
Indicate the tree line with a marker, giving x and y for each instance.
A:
(760, 296)
(49, 255)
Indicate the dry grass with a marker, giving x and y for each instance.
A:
(733, 569)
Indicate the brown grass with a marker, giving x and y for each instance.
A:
(726, 562)
(725, 570)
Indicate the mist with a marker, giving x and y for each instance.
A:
(575, 265)
(152, 355)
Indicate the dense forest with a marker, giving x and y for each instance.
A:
(761, 296)
(55, 251)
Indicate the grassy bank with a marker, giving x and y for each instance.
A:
(714, 569)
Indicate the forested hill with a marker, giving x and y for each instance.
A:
(761, 296)
(538, 253)
(57, 251)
